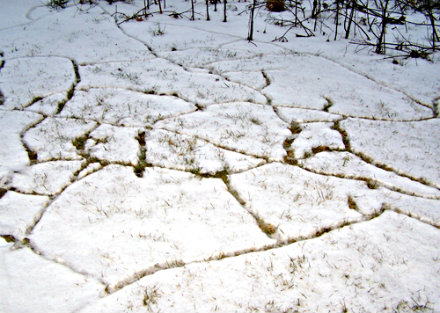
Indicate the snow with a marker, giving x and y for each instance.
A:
(25, 79)
(54, 288)
(316, 135)
(296, 202)
(307, 81)
(19, 211)
(359, 268)
(169, 165)
(244, 127)
(162, 77)
(124, 107)
(48, 105)
(152, 35)
(15, 13)
(63, 31)
(52, 138)
(167, 216)
(399, 145)
(114, 144)
(13, 155)
(47, 178)
(306, 115)
(172, 150)
(349, 165)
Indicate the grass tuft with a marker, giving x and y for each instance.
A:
(295, 127)
(2, 192)
(266, 228)
(320, 149)
(80, 142)
(352, 204)
(150, 296)
(328, 104)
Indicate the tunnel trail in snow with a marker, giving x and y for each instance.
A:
(171, 264)
(176, 263)
(371, 182)
(259, 90)
(359, 73)
(349, 149)
(371, 161)
(33, 155)
(28, 16)
(218, 145)
(345, 115)
(378, 82)
(290, 159)
(27, 243)
(269, 102)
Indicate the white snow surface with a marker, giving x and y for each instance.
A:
(296, 202)
(167, 216)
(25, 79)
(54, 288)
(349, 165)
(244, 127)
(46, 178)
(113, 144)
(399, 146)
(359, 268)
(124, 107)
(314, 135)
(168, 149)
(160, 164)
(13, 155)
(52, 138)
(19, 211)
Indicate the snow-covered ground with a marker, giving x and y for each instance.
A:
(169, 165)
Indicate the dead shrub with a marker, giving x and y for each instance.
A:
(275, 5)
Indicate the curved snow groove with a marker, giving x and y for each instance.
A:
(26, 12)
(370, 160)
(172, 264)
(189, 69)
(32, 155)
(400, 147)
(381, 83)
(77, 177)
(371, 182)
(366, 158)
(345, 115)
(22, 79)
(95, 165)
(150, 220)
(391, 187)
(225, 255)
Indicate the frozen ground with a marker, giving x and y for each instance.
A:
(169, 165)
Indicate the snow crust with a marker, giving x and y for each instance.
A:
(54, 288)
(13, 155)
(19, 211)
(24, 79)
(399, 145)
(244, 127)
(161, 164)
(167, 216)
(355, 268)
